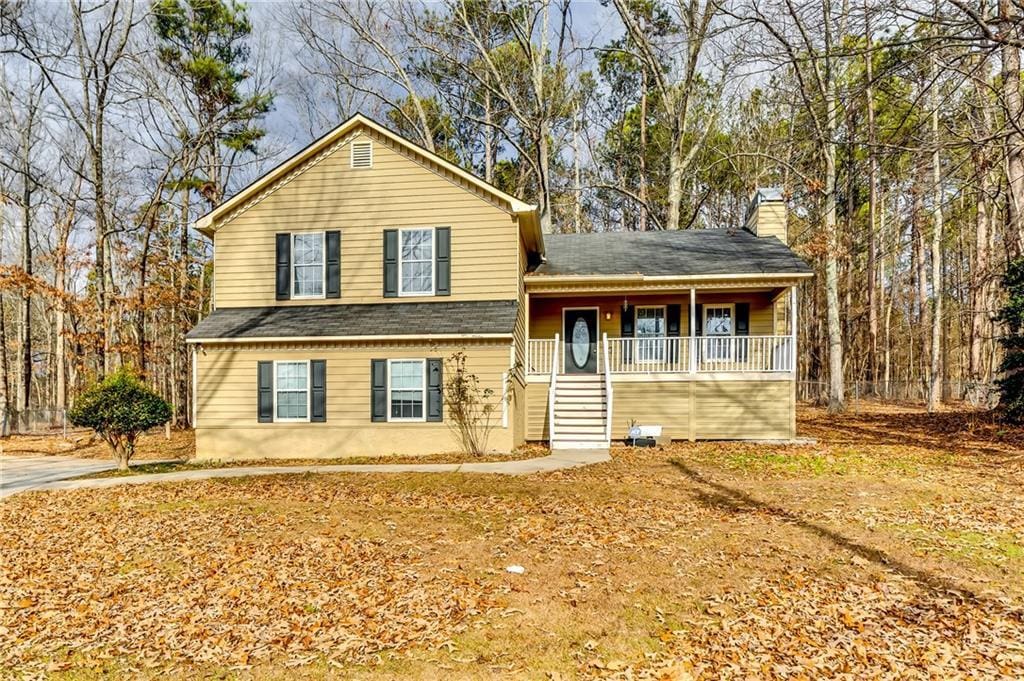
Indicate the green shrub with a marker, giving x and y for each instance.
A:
(120, 408)
(1011, 385)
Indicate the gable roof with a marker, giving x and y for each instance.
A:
(449, 318)
(685, 253)
(526, 212)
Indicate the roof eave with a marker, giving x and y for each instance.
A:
(207, 224)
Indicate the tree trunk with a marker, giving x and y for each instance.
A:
(872, 275)
(935, 370)
(1010, 56)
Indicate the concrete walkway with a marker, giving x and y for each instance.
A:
(557, 460)
(20, 473)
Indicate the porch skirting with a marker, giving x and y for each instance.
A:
(702, 407)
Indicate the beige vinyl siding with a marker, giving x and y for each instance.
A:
(769, 220)
(707, 407)
(546, 313)
(396, 192)
(758, 410)
(665, 404)
(518, 375)
(536, 411)
(227, 426)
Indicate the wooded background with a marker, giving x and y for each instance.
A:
(894, 128)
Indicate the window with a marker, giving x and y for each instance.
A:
(416, 262)
(362, 154)
(718, 327)
(406, 389)
(291, 391)
(650, 332)
(308, 265)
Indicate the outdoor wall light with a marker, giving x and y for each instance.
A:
(607, 316)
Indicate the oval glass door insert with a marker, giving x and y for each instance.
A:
(580, 343)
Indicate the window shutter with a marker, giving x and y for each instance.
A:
(672, 331)
(443, 261)
(626, 327)
(742, 319)
(672, 313)
(318, 390)
(699, 331)
(265, 392)
(390, 263)
(284, 266)
(435, 383)
(378, 390)
(332, 287)
(742, 329)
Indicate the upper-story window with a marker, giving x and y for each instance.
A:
(416, 262)
(308, 265)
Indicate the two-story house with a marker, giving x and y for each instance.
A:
(346, 276)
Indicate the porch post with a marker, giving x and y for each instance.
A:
(693, 330)
(792, 327)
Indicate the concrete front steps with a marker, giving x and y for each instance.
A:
(581, 410)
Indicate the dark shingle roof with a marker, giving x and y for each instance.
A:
(384, 319)
(692, 252)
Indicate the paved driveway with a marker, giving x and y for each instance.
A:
(20, 473)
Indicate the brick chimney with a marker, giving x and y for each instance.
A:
(766, 214)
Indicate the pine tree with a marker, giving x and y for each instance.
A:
(1011, 385)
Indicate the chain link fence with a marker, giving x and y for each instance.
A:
(980, 395)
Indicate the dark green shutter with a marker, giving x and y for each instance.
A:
(332, 287)
(627, 327)
(699, 330)
(742, 329)
(284, 266)
(318, 390)
(742, 319)
(435, 384)
(390, 263)
(672, 330)
(378, 390)
(672, 313)
(265, 392)
(443, 261)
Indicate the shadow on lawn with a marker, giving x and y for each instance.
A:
(723, 497)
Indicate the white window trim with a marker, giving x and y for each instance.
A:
(352, 154)
(639, 338)
(309, 390)
(731, 345)
(433, 262)
(398, 419)
(323, 267)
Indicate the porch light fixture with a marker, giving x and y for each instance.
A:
(625, 304)
(607, 316)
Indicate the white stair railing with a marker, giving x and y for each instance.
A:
(607, 392)
(551, 392)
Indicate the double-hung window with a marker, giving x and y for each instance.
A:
(719, 330)
(291, 391)
(308, 265)
(416, 262)
(406, 389)
(650, 332)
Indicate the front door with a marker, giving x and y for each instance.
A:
(579, 329)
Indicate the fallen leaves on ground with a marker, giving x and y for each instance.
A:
(714, 560)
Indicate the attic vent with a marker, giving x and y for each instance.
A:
(362, 154)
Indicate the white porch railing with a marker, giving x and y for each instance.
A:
(645, 355)
(539, 353)
(751, 354)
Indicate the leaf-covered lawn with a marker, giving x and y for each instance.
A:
(893, 548)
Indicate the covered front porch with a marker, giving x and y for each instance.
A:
(632, 335)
